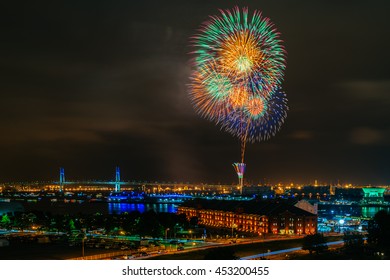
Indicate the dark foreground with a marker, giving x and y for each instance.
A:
(36, 251)
(51, 251)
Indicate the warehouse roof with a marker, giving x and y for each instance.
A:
(261, 207)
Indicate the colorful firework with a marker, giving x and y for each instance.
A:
(239, 66)
(259, 119)
(248, 51)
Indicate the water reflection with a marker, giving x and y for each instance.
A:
(369, 212)
(329, 211)
(119, 208)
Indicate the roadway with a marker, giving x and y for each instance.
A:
(285, 251)
(249, 242)
(190, 246)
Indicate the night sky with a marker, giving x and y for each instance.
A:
(90, 85)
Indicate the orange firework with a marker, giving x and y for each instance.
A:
(255, 107)
(240, 55)
(238, 97)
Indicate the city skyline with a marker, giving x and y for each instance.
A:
(71, 180)
(97, 85)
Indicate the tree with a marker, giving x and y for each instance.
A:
(149, 225)
(59, 223)
(353, 243)
(71, 225)
(22, 221)
(110, 223)
(129, 221)
(5, 221)
(194, 221)
(379, 232)
(166, 219)
(314, 243)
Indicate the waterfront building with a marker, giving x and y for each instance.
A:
(257, 217)
(373, 195)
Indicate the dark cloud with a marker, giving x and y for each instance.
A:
(367, 136)
(367, 90)
(89, 85)
(302, 135)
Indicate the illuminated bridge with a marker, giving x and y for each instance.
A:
(119, 185)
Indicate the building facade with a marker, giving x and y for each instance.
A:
(252, 217)
(373, 195)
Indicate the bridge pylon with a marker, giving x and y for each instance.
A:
(117, 179)
(62, 179)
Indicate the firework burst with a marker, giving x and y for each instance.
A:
(239, 64)
(247, 51)
(259, 120)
